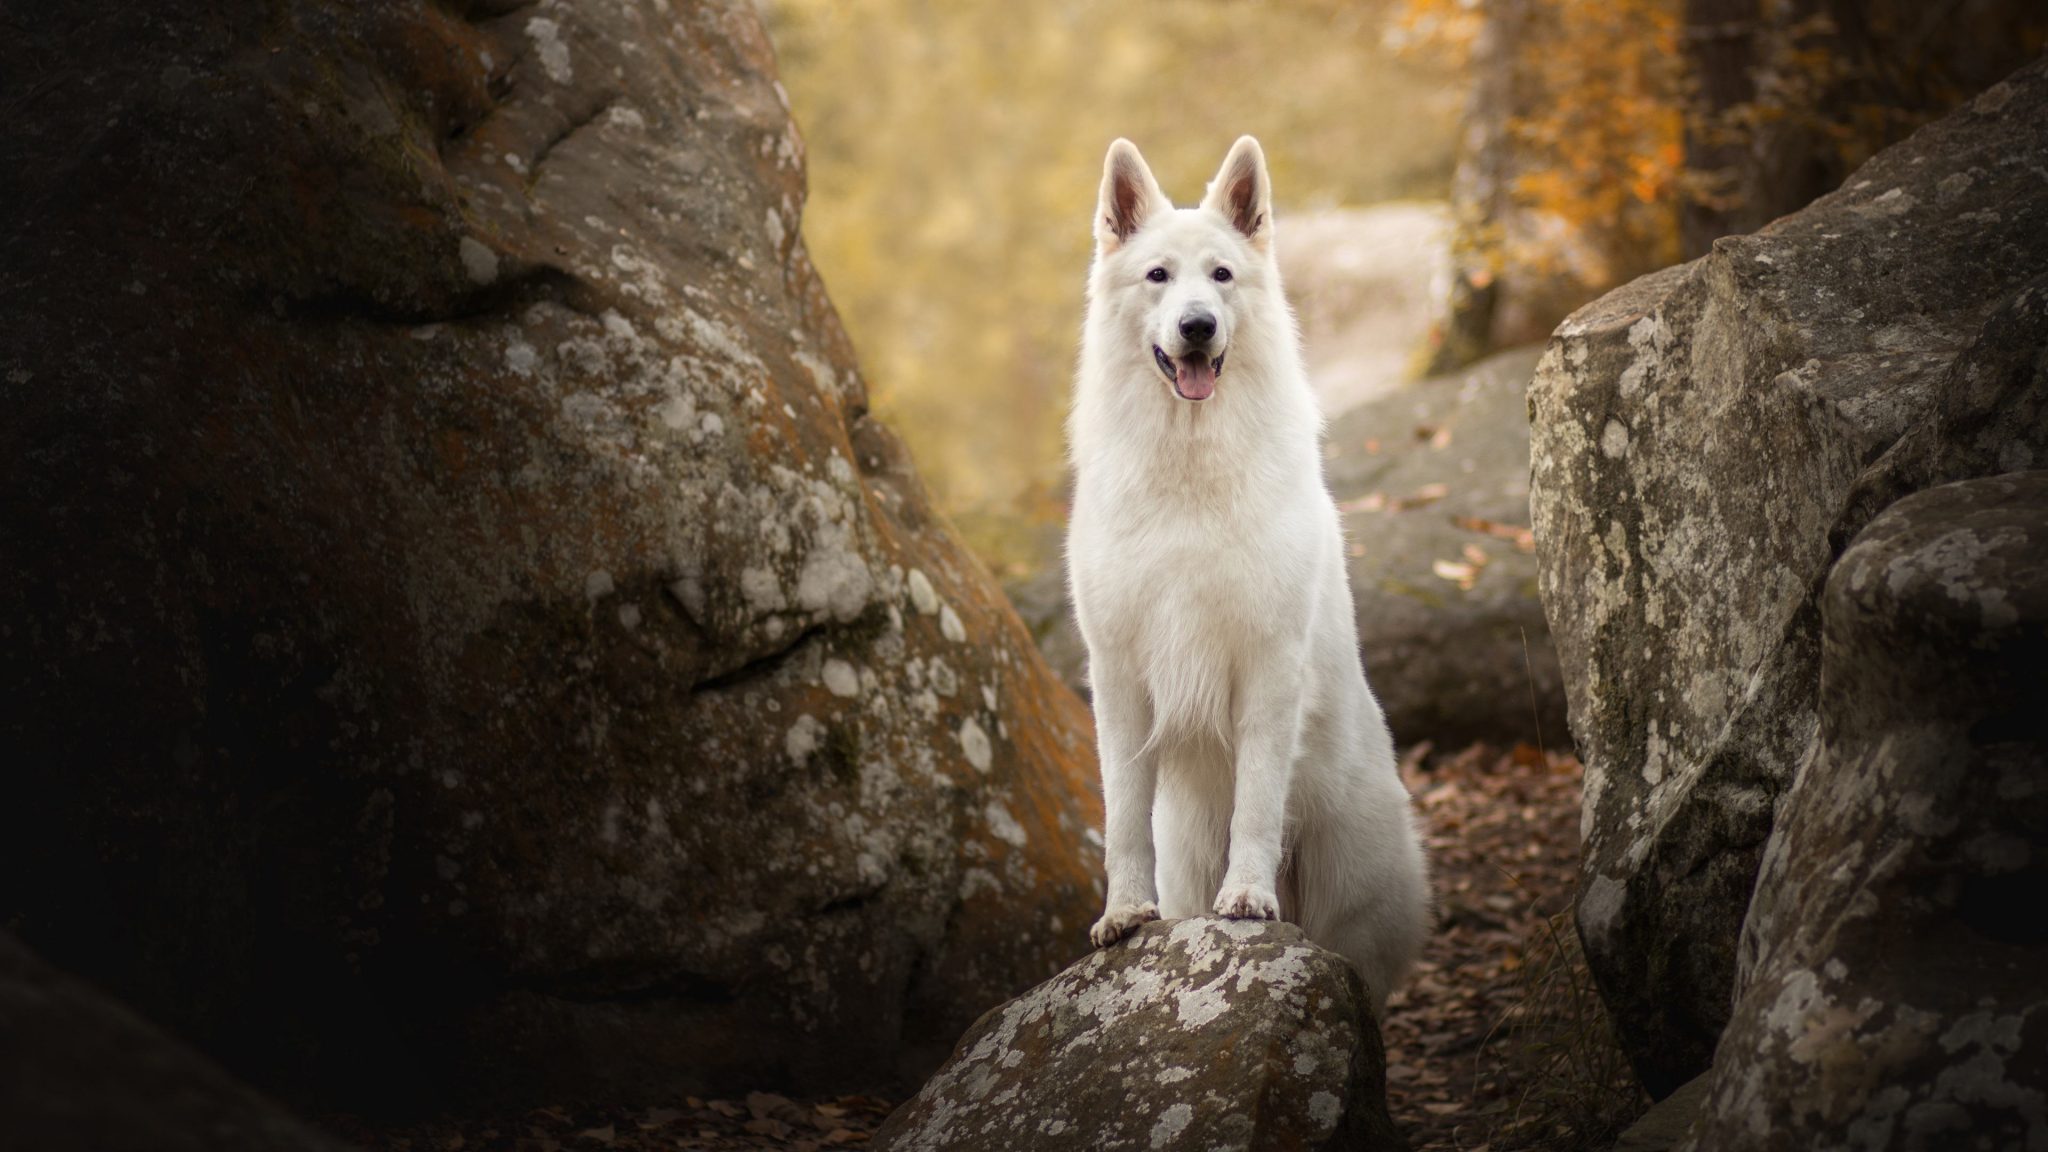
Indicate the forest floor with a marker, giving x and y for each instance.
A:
(1497, 1044)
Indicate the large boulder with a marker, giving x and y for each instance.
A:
(1891, 991)
(1434, 482)
(84, 1074)
(1191, 1034)
(465, 632)
(1705, 441)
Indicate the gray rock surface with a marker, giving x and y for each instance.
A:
(1705, 440)
(1434, 479)
(464, 631)
(1212, 1034)
(1668, 1122)
(80, 1073)
(1892, 990)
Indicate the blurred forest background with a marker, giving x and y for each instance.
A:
(1570, 145)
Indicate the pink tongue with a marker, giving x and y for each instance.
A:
(1194, 377)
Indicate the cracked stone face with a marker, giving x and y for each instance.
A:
(1224, 1034)
(1891, 991)
(1705, 442)
(461, 613)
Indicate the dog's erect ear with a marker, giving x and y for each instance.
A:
(1129, 195)
(1243, 192)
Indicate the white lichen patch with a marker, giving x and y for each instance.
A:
(1325, 1110)
(974, 742)
(1599, 906)
(1614, 440)
(802, 739)
(840, 678)
(922, 596)
(1172, 1119)
(478, 261)
(1003, 825)
(553, 52)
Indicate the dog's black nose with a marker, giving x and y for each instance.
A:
(1197, 327)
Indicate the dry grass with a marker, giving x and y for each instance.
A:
(1573, 1088)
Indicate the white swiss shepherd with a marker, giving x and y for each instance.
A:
(1246, 768)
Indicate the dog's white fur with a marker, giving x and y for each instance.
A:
(1246, 768)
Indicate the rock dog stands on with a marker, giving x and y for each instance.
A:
(1191, 1034)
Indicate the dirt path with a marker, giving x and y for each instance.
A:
(1495, 1045)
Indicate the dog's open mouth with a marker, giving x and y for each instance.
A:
(1193, 376)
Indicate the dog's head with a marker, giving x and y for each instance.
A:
(1179, 283)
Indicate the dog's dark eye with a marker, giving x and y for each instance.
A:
(1157, 275)
(1222, 275)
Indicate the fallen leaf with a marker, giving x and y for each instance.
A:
(1522, 538)
(1427, 494)
(1370, 502)
(607, 1135)
(1463, 575)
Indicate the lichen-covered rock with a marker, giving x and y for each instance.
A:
(1705, 439)
(1434, 479)
(1211, 1034)
(1892, 992)
(463, 629)
(80, 1073)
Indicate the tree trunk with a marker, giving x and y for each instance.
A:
(1479, 190)
(1790, 96)
(1720, 47)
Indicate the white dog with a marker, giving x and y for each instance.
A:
(1246, 768)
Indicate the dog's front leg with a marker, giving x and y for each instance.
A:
(1130, 775)
(1268, 728)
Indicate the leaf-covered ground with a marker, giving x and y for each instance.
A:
(761, 1120)
(1497, 1044)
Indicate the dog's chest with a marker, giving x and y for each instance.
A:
(1189, 595)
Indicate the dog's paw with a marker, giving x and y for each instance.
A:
(1244, 902)
(1119, 919)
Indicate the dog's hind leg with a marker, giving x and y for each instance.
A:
(1364, 897)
